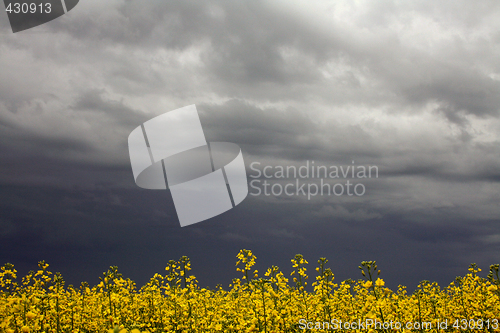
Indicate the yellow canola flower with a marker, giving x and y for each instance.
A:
(172, 303)
(371, 315)
(379, 282)
(30, 315)
(367, 284)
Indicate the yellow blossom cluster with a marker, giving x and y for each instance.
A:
(174, 302)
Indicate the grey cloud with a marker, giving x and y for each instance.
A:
(410, 87)
(121, 114)
(344, 214)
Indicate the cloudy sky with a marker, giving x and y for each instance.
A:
(410, 87)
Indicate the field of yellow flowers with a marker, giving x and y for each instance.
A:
(173, 302)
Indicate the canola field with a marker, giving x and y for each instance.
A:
(254, 302)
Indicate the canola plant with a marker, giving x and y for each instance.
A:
(174, 302)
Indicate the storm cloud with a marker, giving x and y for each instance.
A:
(412, 88)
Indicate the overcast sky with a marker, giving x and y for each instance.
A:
(412, 87)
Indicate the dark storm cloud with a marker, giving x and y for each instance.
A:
(240, 122)
(252, 46)
(258, 49)
(412, 88)
(294, 136)
(121, 114)
(287, 134)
